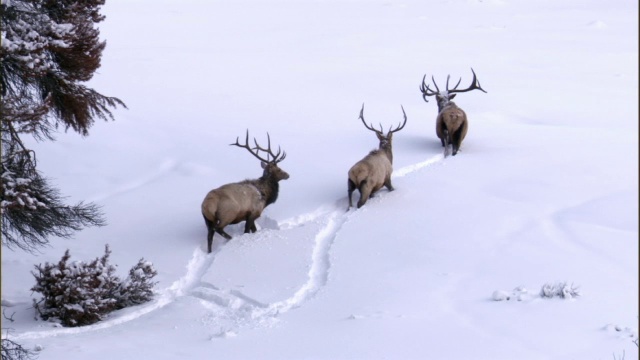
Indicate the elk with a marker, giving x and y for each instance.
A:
(451, 123)
(374, 170)
(245, 200)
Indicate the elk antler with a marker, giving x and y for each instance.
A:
(399, 127)
(475, 84)
(277, 157)
(370, 127)
(426, 91)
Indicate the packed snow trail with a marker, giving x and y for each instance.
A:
(320, 264)
(246, 310)
(333, 218)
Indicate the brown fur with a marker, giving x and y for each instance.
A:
(245, 200)
(242, 201)
(370, 174)
(451, 123)
(374, 171)
(451, 126)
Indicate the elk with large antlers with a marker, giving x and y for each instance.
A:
(374, 170)
(245, 200)
(451, 123)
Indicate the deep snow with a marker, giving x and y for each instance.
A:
(544, 189)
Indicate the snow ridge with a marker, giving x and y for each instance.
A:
(139, 311)
(196, 268)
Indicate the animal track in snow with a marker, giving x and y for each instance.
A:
(320, 264)
(165, 167)
(623, 332)
(233, 304)
(332, 218)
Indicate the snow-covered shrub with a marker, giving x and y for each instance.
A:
(561, 289)
(548, 291)
(137, 288)
(78, 293)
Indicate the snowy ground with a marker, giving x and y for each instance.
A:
(544, 190)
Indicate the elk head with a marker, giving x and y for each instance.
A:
(385, 140)
(445, 97)
(270, 164)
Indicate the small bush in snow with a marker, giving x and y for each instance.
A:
(137, 288)
(561, 289)
(78, 293)
(75, 293)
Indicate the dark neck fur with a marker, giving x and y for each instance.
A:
(268, 188)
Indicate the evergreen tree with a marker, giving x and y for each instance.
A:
(49, 49)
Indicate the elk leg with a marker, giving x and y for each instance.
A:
(250, 225)
(443, 134)
(220, 231)
(210, 232)
(455, 142)
(446, 140)
(461, 133)
(351, 186)
(219, 225)
(365, 193)
(388, 185)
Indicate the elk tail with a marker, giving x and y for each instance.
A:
(211, 209)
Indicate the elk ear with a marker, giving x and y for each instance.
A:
(452, 96)
(263, 164)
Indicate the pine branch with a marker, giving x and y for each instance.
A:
(11, 350)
